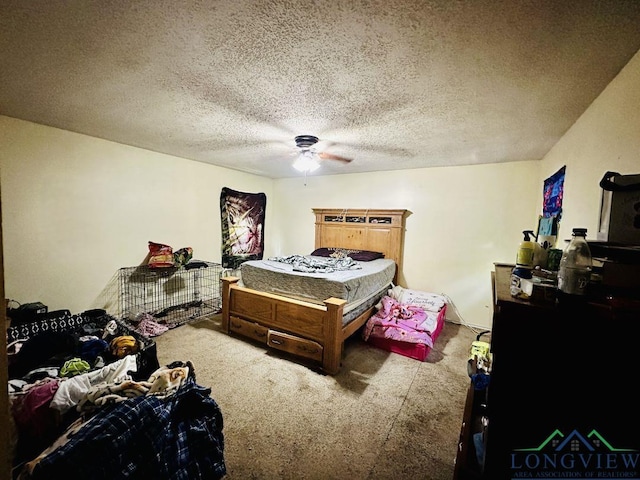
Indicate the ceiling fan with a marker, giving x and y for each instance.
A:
(308, 158)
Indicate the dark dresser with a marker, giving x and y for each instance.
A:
(561, 402)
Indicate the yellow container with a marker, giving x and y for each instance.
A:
(525, 255)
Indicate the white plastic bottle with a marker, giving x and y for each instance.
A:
(575, 265)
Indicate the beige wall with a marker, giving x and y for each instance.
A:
(77, 208)
(605, 138)
(462, 220)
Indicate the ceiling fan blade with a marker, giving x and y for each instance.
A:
(330, 156)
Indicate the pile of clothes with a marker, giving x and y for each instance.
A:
(165, 427)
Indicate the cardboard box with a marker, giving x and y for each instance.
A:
(620, 209)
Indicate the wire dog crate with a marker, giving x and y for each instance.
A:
(172, 295)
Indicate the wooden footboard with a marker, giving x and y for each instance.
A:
(312, 331)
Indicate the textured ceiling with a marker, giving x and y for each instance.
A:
(390, 84)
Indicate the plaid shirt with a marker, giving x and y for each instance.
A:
(179, 437)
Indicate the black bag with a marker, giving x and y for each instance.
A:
(26, 313)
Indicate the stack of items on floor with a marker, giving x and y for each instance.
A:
(89, 399)
(407, 322)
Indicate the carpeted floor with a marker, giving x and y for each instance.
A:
(384, 416)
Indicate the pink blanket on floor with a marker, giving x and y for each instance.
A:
(401, 322)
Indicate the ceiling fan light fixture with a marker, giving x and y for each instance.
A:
(306, 141)
(306, 162)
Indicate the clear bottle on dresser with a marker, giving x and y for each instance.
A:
(575, 265)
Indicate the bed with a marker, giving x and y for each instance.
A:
(277, 312)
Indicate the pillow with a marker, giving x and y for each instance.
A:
(357, 255)
(432, 302)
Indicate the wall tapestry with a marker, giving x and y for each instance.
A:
(551, 209)
(552, 195)
(242, 216)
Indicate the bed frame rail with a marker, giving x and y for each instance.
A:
(305, 329)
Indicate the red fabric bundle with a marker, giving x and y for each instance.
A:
(161, 256)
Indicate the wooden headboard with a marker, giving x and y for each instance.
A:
(363, 229)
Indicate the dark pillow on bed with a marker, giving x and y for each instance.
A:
(357, 255)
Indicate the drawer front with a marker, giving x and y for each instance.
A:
(249, 329)
(295, 345)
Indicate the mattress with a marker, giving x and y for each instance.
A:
(354, 309)
(350, 285)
